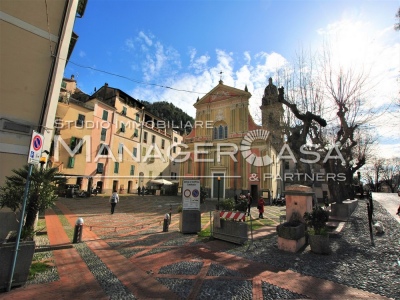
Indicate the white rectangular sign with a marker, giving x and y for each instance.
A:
(36, 147)
(191, 195)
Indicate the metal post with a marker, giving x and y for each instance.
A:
(370, 224)
(28, 180)
(219, 180)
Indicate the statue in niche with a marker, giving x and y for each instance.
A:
(270, 93)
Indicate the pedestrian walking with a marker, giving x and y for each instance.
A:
(249, 201)
(260, 207)
(138, 191)
(114, 199)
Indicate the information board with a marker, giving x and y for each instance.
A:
(191, 195)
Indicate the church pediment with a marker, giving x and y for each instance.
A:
(222, 93)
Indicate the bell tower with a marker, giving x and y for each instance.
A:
(272, 113)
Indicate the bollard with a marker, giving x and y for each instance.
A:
(166, 222)
(78, 231)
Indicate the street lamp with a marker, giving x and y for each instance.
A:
(219, 180)
(42, 161)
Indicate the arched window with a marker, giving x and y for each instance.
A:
(220, 132)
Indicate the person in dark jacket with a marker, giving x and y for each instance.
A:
(260, 207)
(114, 199)
(249, 201)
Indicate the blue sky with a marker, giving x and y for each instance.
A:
(185, 44)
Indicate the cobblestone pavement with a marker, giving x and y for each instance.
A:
(127, 256)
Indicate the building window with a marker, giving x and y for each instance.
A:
(105, 115)
(132, 170)
(122, 127)
(103, 134)
(136, 133)
(124, 111)
(137, 117)
(116, 167)
(103, 149)
(71, 162)
(134, 152)
(100, 168)
(287, 165)
(173, 175)
(153, 139)
(162, 144)
(145, 137)
(151, 174)
(75, 142)
(174, 149)
(220, 132)
(120, 149)
(81, 120)
(175, 139)
(144, 151)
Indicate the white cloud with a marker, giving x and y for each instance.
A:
(129, 43)
(145, 38)
(82, 53)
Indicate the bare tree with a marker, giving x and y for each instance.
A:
(390, 173)
(339, 97)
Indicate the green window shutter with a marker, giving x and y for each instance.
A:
(132, 170)
(103, 134)
(100, 168)
(81, 120)
(124, 111)
(136, 134)
(137, 117)
(105, 115)
(134, 151)
(116, 167)
(72, 143)
(71, 162)
(122, 127)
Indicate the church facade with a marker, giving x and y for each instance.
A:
(227, 150)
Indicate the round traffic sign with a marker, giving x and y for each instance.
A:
(187, 193)
(195, 193)
(37, 142)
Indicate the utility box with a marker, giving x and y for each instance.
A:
(190, 221)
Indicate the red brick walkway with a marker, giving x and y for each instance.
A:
(138, 273)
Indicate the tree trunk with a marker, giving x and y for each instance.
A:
(32, 210)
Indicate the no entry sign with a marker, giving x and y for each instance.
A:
(36, 147)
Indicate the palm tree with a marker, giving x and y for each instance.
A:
(42, 192)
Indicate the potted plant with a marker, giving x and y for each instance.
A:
(317, 230)
(41, 195)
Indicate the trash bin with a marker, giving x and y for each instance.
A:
(166, 222)
(78, 231)
(70, 192)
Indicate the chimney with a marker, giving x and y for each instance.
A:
(72, 77)
(106, 84)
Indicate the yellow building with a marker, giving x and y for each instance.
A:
(36, 42)
(117, 151)
(226, 150)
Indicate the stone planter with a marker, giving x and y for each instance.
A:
(319, 244)
(23, 263)
(291, 232)
(231, 231)
(291, 237)
(343, 210)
